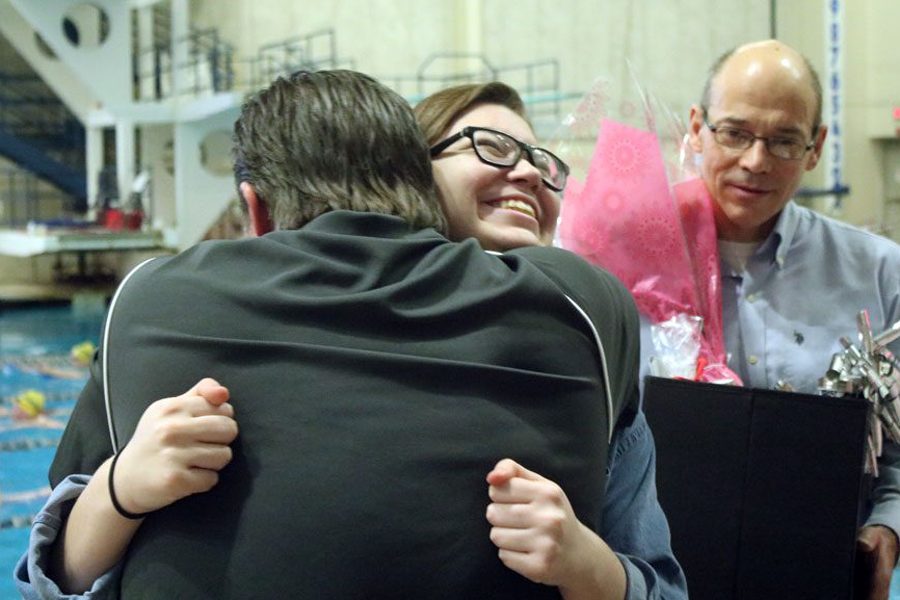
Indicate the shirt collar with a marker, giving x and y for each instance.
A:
(366, 224)
(776, 246)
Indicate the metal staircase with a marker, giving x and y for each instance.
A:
(164, 82)
(39, 135)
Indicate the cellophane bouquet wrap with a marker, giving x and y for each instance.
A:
(648, 220)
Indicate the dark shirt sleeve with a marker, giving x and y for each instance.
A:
(85, 444)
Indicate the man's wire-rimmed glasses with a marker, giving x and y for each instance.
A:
(735, 138)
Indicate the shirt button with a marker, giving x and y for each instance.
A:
(751, 297)
(752, 359)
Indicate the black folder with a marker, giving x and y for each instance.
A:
(762, 488)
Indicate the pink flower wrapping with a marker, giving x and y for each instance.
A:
(660, 241)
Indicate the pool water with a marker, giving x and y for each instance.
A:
(35, 343)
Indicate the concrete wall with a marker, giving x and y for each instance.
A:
(668, 44)
(871, 91)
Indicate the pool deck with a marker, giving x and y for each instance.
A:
(55, 292)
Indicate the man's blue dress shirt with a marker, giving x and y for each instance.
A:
(800, 292)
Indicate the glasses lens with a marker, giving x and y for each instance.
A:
(739, 139)
(496, 148)
(504, 150)
(552, 171)
(734, 138)
(786, 148)
(559, 178)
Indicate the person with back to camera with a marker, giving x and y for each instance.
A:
(758, 129)
(378, 371)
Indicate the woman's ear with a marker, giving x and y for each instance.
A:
(257, 210)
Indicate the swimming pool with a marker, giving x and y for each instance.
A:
(35, 342)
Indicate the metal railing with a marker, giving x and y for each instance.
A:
(207, 68)
(212, 67)
(24, 198)
(311, 52)
(538, 82)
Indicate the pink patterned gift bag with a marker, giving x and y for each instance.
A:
(659, 241)
(695, 212)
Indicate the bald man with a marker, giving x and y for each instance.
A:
(792, 280)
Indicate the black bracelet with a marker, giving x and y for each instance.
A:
(112, 493)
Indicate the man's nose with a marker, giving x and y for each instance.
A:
(756, 158)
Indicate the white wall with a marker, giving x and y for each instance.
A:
(669, 43)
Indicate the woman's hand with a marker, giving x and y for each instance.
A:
(539, 536)
(178, 448)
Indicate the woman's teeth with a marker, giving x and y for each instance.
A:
(518, 205)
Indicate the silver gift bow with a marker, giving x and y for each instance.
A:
(869, 370)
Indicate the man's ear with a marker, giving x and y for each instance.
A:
(694, 127)
(816, 152)
(257, 210)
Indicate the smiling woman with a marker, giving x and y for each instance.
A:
(494, 183)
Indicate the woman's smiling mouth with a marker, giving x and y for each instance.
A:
(517, 205)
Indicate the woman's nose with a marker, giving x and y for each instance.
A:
(524, 171)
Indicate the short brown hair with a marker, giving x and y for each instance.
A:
(335, 140)
(436, 112)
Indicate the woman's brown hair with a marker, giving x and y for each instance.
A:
(436, 112)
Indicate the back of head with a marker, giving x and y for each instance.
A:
(439, 110)
(334, 140)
